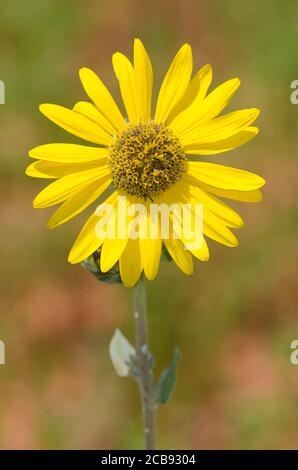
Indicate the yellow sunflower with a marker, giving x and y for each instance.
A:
(145, 157)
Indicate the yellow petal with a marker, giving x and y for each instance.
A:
(67, 186)
(130, 263)
(218, 99)
(180, 255)
(194, 94)
(112, 250)
(76, 124)
(175, 83)
(125, 73)
(204, 111)
(90, 111)
(150, 247)
(201, 253)
(224, 145)
(143, 81)
(224, 177)
(219, 208)
(77, 203)
(213, 227)
(102, 98)
(88, 242)
(113, 247)
(220, 128)
(69, 153)
(44, 169)
(179, 194)
(242, 196)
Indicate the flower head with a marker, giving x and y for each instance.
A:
(145, 157)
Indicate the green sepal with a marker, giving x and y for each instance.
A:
(92, 264)
(165, 255)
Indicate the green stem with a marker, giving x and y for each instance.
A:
(145, 362)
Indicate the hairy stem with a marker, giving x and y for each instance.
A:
(145, 362)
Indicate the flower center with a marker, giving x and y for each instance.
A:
(146, 160)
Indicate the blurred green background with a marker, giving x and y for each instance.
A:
(233, 320)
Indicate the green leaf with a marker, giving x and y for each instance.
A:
(167, 381)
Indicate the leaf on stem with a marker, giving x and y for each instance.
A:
(122, 354)
(167, 381)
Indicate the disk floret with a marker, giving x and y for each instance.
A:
(146, 159)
